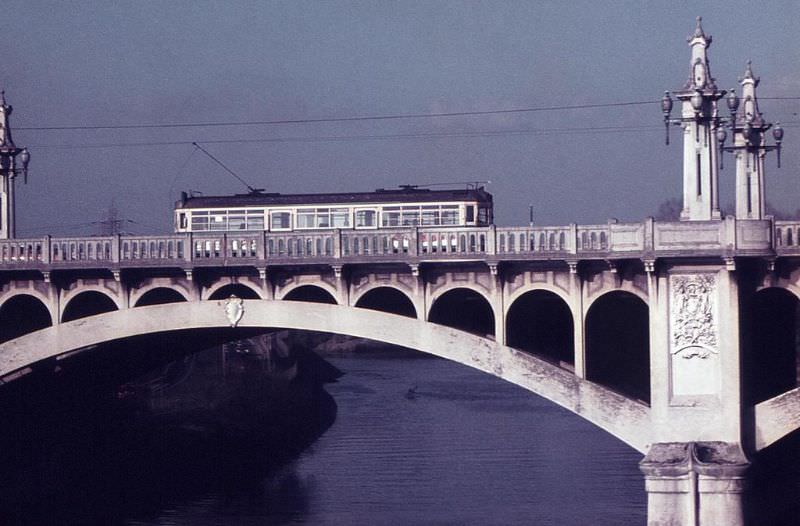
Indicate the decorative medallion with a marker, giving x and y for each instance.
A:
(234, 310)
(693, 314)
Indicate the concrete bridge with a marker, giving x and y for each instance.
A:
(679, 338)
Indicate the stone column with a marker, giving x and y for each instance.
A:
(694, 484)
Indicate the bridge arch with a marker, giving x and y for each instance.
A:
(624, 287)
(772, 350)
(541, 321)
(318, 293)
(225, 287)
(465, 308)
(158, 295)
(617, 336)
(386, 298)
(88, 302)
(21, 314)
(137, 293)
(593, 402)
(48, 302)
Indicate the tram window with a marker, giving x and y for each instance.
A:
(323, 218)
(410, 216)
(305, 219)
(236, 222)
(340, 217)
(218, 222)
(255, 222)
(470, 214)
(281, 220)
(430, 215)
(199, 222)
(365, 219)
(391, 216)
(449, 215)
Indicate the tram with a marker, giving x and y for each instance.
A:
(406, 206)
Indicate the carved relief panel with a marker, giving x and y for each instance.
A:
(693, 335)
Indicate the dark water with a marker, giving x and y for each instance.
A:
(465, 448)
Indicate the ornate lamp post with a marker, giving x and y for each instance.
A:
(705, 135)
(13, 162)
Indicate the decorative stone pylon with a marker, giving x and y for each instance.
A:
(13, 162)
(750, 149)
(698, 120)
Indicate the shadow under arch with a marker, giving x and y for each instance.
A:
(235, 289)
(87, 303)
(387, 299)
(540, 322)
(464, 309)
(21, 314)
(310, 293)
(159, 296)
(618, 343)
(771, 365)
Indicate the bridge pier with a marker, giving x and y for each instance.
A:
(695, 484)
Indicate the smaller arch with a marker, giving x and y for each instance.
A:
(223, 290)
(542, 323)
(387, 299)
(771, 354)
(21, 314)
(311, 293)
(465, 309)
(87, 303)
(617, 335)
(159, 296)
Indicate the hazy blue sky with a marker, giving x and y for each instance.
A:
(96, 63)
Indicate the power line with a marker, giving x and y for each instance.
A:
(337, 138)
(334, 119)
(421, 135)
(353, 118)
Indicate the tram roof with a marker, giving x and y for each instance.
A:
(402, 195)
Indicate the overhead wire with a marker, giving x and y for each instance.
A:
(334, 119)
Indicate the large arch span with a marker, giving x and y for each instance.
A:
(626, 419)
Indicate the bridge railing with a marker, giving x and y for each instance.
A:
(645, 239)
(787, 237)
(14, 251)
(377, 243)
(299, 245)
(71, 250)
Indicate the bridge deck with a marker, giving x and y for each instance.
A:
(648, 240)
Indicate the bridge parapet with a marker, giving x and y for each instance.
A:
(648, 239)
(787, 237)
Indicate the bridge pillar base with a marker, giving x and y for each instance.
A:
(694, 484)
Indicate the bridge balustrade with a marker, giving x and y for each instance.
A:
(592, 238)
(76, 249)
(527, 240)
(455, 241)
(151, 248)
(376, 243)
(296, 245)
(727, 237)
(787, 237)
(21, 250)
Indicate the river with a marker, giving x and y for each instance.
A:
(420, 441)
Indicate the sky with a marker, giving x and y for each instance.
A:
(177, 62)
